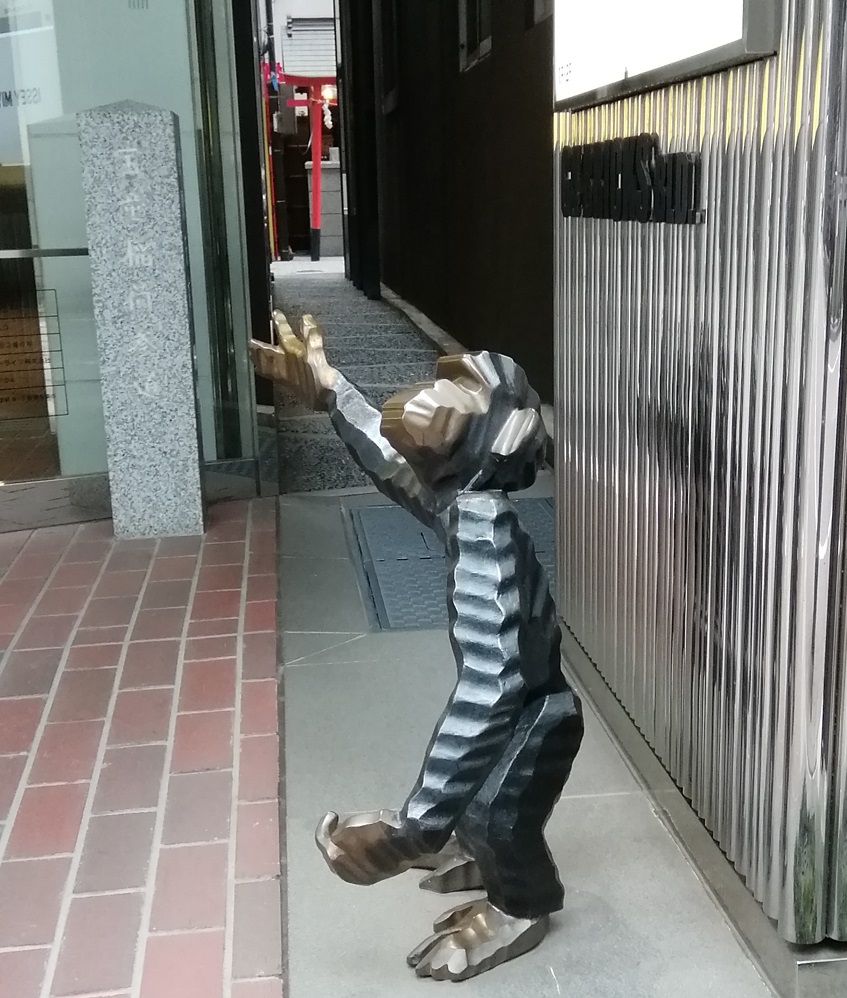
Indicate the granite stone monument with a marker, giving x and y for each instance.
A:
(135, 217)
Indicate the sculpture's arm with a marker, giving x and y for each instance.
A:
(299, 363)
(357, 424)
(476, 727)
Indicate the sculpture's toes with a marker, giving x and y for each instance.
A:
(419, 957)
(449, 962)
(458, 874)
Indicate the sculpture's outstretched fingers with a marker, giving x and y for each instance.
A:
(281, 324)
(312, 335)
(322, 373)
(267, 360)
(314, 341)
(308, 325)
(291, 343)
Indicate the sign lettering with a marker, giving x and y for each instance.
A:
(20, 98)
(629, 180)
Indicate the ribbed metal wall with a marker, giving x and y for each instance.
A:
(700, 431)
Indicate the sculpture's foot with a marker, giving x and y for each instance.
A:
(453, 870)
(457, 874)
(474, 938)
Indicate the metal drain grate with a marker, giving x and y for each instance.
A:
(401, 564)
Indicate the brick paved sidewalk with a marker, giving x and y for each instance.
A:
(139, 852)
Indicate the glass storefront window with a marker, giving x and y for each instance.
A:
(58, 57)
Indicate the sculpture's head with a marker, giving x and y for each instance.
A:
(478, 424)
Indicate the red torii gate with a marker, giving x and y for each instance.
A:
(315, 102)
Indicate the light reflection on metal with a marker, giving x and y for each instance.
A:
(473, 938)
(449, 452)
(700, 461)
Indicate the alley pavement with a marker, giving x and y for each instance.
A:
(139, 779)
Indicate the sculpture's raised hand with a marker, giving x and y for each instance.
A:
(364, 848)
(297, 362)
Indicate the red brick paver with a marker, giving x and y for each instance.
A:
(139, 821)
(184, 966)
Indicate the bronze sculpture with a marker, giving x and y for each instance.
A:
(449, 452)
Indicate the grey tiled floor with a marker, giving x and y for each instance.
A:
(403, 564)
(359, 709)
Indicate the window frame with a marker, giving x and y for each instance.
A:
(537, 11)
(479, 11)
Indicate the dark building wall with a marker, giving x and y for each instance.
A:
(466, 182)
(413, 156)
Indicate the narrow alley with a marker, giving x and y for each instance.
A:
(493, 633)
(361, 698)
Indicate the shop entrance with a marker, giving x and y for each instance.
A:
(57, 58)
(30, 376)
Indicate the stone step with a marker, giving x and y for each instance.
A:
(343, 356)
(312, 458)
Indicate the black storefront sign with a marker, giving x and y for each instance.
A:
(629, 180)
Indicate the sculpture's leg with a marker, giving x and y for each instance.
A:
(432, 861)
(503, 829)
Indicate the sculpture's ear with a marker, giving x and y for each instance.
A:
(521, 426)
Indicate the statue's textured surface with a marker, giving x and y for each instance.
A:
(450, 452)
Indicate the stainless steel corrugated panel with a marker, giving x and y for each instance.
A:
(700, 451)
